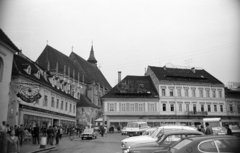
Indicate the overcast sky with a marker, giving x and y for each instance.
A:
(129, 35)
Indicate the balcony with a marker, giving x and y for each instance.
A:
(197, 113)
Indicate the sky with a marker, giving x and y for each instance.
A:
(130, 35)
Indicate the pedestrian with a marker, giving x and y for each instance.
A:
(202, 129)
(229, 131)
(57, 133)
(8, 130)
(60, 133)
(50, 135)
(21, 134)
(13, 143)
(209, 130)
(102, 130)
(4, 128)
(36, 131)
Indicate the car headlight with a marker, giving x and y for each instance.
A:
(126, 151)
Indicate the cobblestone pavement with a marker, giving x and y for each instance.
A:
(110, 143)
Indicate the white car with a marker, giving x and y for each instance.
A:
(128, 142)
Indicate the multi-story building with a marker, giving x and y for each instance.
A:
(187, 95)
(36, 99)
(178, 96)
(232, 95)
(92, 84)
(134, 98)
(7, 51)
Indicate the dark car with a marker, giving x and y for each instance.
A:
(163, 142)
(206, 144)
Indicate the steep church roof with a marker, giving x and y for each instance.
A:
(85, 102)
(5, 39)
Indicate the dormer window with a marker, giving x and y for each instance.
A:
(28, 69)
(37, 74)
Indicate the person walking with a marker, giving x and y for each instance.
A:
(36, 131)
(209, 130)
(60, 132)
(50, 135)
(57, 133)
(21, 134)
(13, 143)
(229, 131)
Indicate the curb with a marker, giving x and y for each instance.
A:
(43, 149)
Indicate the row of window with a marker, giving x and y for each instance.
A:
(59, 104)
(152, 107)
(208, 93)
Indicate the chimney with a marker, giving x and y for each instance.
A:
(119, 76)
(193, 69)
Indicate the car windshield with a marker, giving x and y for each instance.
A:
(155, 133)
(182, 144)
(132, 125)
(214, 124)
(235, 127)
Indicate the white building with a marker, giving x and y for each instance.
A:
(7, 50)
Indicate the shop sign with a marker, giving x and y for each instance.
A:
(29, 93)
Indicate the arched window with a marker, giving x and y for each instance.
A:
(1, 69)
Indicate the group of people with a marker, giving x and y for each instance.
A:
(209, 131)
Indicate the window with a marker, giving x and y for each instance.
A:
(208, 147)
(57, 104)
(214, 93)
(151, 107)
(220, 93)
(132, 107)
(124, 107)
(52, 103)
(164, 107)
(45, 100)
(186, 92)
(66, 106)
(171, 92)
(207, 93)
(221, 108)
(209, 108)
(1, 69)
(215, 108)
(172, 107)
(202, 107)
(179, 92)
(201, 93)
(228, 145)
(194, 108)
(230, 107)
(180, 107)
(193, 93)
(70, 108)
(141, 107)
(187, 107)
(163, 92)
(62, 105)
(238, 108)
(74, 108)
(111, 107)
(170, 140)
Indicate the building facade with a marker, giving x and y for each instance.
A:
(232, 94)
(36, 99)
(7, 51)
(187, 95)
(134, 98)
(86, 82)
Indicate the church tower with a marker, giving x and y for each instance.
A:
(92, 58)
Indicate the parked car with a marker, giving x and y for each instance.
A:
(89, 133)
(164, 141)
(235, 130)
(136, 128)
(123, 131)
(205, 144)
(128, 142)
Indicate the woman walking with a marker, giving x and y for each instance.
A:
(13, 143)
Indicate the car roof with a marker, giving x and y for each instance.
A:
(182, 132)
(207, 137)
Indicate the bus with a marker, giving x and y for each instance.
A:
(216, 125)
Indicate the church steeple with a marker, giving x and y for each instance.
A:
(92, 58)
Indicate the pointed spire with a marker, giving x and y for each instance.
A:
(92, 58)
